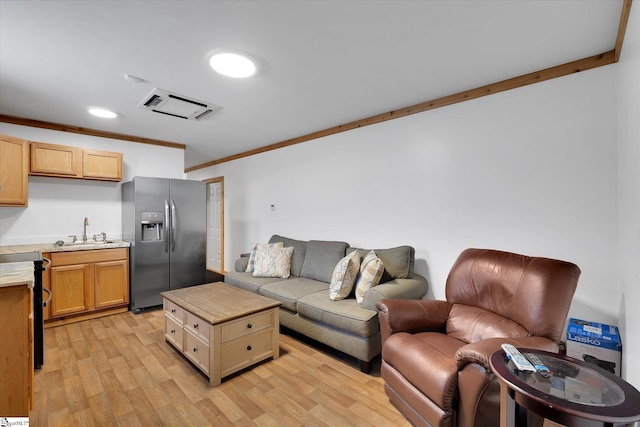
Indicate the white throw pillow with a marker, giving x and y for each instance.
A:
(273, 262)
(254, 249)
(344, 276)
(371, 270)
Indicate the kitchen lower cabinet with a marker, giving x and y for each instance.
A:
(86, 284)
(16, 351)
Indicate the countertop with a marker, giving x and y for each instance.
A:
(52, 247)
(16, 273)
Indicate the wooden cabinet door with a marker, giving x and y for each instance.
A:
(55, 160)
(103, 165)
(111, 283)
(16, 350)
(72, 289)
(14, 171)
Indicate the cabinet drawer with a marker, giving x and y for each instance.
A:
(197, 351)
(197, 327)
(173, 332)
(86, 257)
(173, 311)
(247, 325)
(246, 351)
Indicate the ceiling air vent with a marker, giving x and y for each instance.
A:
(171, 104)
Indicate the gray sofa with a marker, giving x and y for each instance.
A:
(345, 325)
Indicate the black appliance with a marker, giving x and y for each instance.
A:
(38, 304)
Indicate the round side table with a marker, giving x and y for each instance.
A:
(576, 393)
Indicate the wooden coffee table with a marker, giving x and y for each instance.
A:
(220, 328)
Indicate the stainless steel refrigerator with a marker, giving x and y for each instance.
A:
(164, 220)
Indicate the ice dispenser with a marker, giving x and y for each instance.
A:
(152, 224)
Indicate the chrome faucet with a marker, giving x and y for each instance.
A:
(84, 232)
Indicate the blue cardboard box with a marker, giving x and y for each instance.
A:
(595, 343)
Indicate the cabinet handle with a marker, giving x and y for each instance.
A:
(195, 326)
(249, 325)
(249, 348)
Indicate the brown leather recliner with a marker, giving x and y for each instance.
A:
(435, 354)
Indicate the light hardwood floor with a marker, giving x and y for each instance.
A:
(119, 371)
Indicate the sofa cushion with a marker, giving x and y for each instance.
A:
(344, 277)
(321, 258)
(273, 262)
(398, 262)
(246, 281)
(254, 251)
(299, 250)
(370, 273)
(346, 315)
(289, 291)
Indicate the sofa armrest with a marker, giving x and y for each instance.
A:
(411, 315)
(413, 288)
(241, 263)
(480, 352)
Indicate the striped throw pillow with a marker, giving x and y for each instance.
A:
(371, 270)
(254, 250)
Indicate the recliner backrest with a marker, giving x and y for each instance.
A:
(533, 292)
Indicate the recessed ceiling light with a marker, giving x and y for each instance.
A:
(102, 113)
(232, 65)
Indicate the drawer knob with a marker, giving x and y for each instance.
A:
(173, 310)
(195, 326)
(249, 348)
(249, 326)
(195, 349)
(173, 331)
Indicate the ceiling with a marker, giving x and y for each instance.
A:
(321, 63)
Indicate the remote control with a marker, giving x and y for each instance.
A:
(518, 359)
(537, 363)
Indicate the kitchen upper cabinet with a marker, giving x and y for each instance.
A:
(14, 171)
(73, 162)
(104, 165)
(87, 284)
(56, 160)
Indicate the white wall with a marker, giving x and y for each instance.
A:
(531, 170)
(629, 197)
(57, 206)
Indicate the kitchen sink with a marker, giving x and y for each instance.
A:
(89, 243)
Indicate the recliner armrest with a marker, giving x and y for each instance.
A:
(480, 352)
(411, 315)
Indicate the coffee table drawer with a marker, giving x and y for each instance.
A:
(173, 331)
(246, 350)
(197, 351)
(198, 327)
(173, 310)
(247, 325)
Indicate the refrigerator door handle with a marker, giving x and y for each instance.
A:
(166, 223)
(173, 226)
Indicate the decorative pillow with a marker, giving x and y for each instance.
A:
(344, 277)
(273, 262)
(254, 249)
(371, 270)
